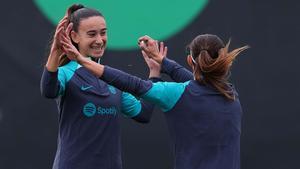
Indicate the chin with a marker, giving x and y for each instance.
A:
(97, 55)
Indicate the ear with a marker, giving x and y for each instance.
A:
(74, 37)
(190, 61)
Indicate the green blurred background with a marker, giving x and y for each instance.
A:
(266, 76)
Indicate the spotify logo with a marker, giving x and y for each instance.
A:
(89, 109)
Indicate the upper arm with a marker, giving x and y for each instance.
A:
(62, 81)
(165, 94)
(65, 74)
(177, 72)
(52, 83)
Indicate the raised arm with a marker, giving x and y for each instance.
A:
(50, 85)
(177, 72)
(142, 108)
(51, 80)
(163, 94)
(156, 52)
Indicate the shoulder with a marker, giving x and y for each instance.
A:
(171, 84)
(67, 71)
(71, 66)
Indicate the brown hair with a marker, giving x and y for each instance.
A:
(76, 13)
(213, 61)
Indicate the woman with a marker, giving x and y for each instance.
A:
(203, 114)
(89, 129)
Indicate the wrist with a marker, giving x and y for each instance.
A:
(154, 73)
(52, 62)
(81, 60)
(51, 67)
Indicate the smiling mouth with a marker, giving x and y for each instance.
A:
(97, 47)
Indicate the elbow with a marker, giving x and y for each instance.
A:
(145, 121)
(141, 119)
(47, 94)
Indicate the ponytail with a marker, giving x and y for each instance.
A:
(74, 8)
(63, 60)
(215, 71)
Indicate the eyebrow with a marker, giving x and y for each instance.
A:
(104, 29)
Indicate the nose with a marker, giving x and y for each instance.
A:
(99, 39)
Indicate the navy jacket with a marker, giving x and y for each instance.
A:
(89, 110)
(205, 126)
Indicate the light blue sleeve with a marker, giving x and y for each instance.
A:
(65, 74)
(130, 106)
(62, 81)
(165, 94)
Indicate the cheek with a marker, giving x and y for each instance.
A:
(85, 43)
(104, 39)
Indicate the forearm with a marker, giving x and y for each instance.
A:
(147, 108)
(125, 81)
(95, 68)
(53, 61)
(146, 112)
(49, 84)
(177, 72)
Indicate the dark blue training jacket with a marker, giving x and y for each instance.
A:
(205, 126)
(89, 109)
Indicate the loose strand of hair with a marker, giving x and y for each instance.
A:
(215, 71)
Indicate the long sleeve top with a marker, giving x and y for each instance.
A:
(88, 117)
(205, 126)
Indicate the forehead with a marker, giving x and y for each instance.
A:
(92, 23)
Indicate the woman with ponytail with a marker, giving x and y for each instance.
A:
(89, 109)
(203, 113)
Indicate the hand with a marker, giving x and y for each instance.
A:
(151, 48)
(56, 51)
(154, 66)
(69, 49)
(163, 50)
(56, 45)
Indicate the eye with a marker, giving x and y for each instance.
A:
(91, 34)
(103, 33)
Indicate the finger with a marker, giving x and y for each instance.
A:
(165, 51)
(156, 42)
(143, 48)
(63, 21)
(61, 25)
(65, 40)
(69, 28)
(144, 38)
(65, 45)
(60, 56)
(66, 37)
(65, 49)
(161, 47)
(58, 31)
